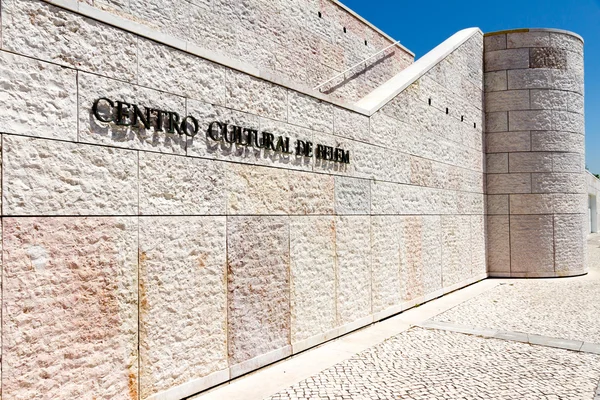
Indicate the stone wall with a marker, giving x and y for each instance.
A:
(593, 190)
(306, 41)
(535, 153)
(213, 259)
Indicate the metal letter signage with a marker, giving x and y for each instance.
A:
(125, 114)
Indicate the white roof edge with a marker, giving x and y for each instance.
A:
(356, 15)
(390, 89)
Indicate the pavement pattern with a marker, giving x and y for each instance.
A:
(441, 364)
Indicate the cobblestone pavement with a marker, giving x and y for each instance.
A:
(566, 308)
(431, 364)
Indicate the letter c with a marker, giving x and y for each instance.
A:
(97, 113)
(211, 132)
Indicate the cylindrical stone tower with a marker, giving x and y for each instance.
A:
(535, 146)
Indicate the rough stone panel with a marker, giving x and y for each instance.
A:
(313, 273)
(494, 81)
(508, 183)
(497, 204)
(181, 186)
(180, 73)
(257, 190)
(350, 124)
(547, 57)
(532, 243)
(46, 32)
(530, 79)
(543, 99)
(494, 42)
(575, 103)
(496, 122)
(38, 99)
(91, 130)
(183, 300)
(58, 178)
(352, 196)
(478, 250)
(507, 100)
(353, 254)
(567, 42)
(310, 112)
(506, 59)
(568, 162)
(411, 259)
(386, 241)
(432, 254)
(570, 203)
(558, 141)
(498, 243)
(531, 203)
(528, 39)
(311, 193)
(558, 183)
(258, 257)
(568, 80)
(530, 162)
(530, 120)
(501, 142)
(165, 16)
(497, 163)
(253, 95)
(456, 249)
(568, 121)
(569, 242)
(70, 311)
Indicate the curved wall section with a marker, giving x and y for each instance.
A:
(535, 146)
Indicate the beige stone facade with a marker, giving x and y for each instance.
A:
(143, 264)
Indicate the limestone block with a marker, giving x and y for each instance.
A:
(411, 258)
(350, 125)
(530, 79)
(531, 203)
(530, 162)
(496, 122)
(165, 16)
(506, 59)
(352, 237)
(569, 242)
(352, 196)
(253, 95)
(181, 186)
(528, 232)
(568, 80)
(528, 39)
(566, 41)
(386, 241)
(494, 81)
(456, 249)
(507, 100)
(544, 99)
(386, 130)
(558, 183)
(498, 243)
(66, 38)
(70, 308)
(478, 249)
(311, 193)
(547, 57)
(183, 300)
(538, 120)
(494, 42)
(313, 275)
(568, 162)
(500, 142)
(508, 183)
(91, 130)
(38, 98)
(558, 141)
(497, 163)
(575, 103)
(180, 73)
(399, 107)
(568, 122)
(497, 204)
(58, 178)
(310, 112)
(356, 150)
(432, 254)
(258, 257)
(570, 203)
(257, 190)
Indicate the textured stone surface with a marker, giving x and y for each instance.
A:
(352, 196)
(528, 39)
(432, 254)
(506, 59)
(529, 232)
(312, 276)
(183, 300)
(91, 130)
(531, 204)
(496, 122)
(387, 241)
(498, 243)
(353, 268)
(456, 249)
(37, 29)
(508, 183)
(309, 112)
(501, 142)
(557, 141)
(530, 120)
(547, 57)
(258, 253)
(550, 99)
(38, 98)
(249, 94)
(569, 242)
(494, 42)
(350, 125)
(558, 183)
(56, 178)
(411, 261)
(181, 186)
(568, 162)
(70, 312)
(507, 100)
(494, 81)
(478, 245)
(530, 162)
(497, 204)
(497, 163)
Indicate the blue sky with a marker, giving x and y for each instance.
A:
(422, 25)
